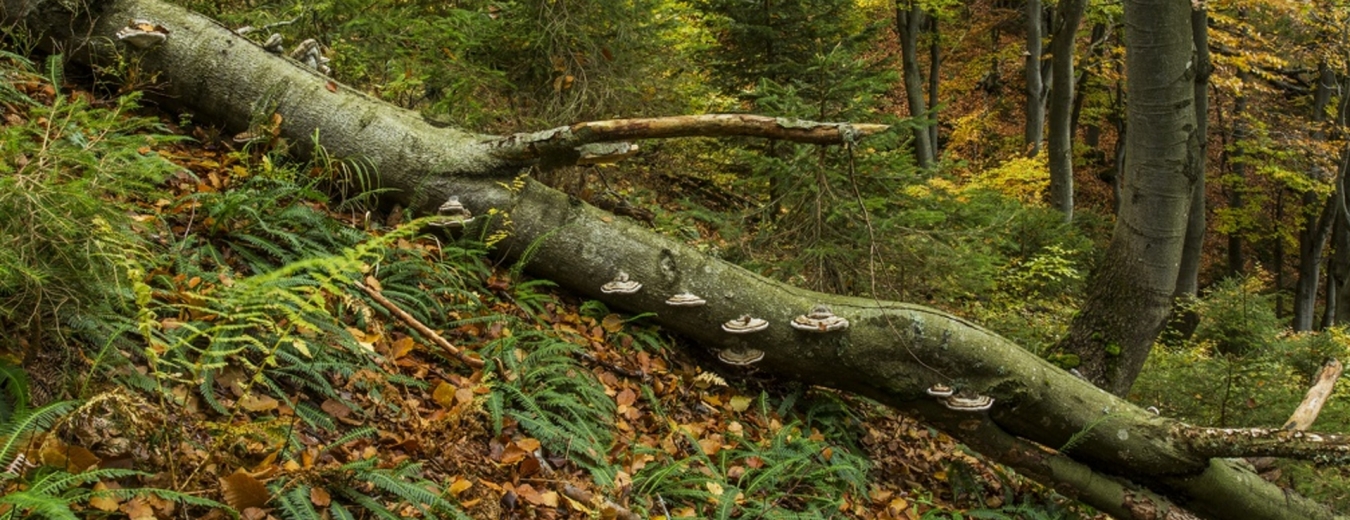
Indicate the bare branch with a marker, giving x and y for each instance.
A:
(564, 141)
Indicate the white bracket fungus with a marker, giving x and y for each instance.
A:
(310, 53)
(274, 44)
(621, 285)
(968, 403)
(940, 390)
(452, 214)
(745, 325)
(143, 34)
(820, 319)
(740, 356)
(685, 299)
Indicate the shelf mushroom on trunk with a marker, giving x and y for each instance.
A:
(621, 285)
(742, 356)
(820, 319)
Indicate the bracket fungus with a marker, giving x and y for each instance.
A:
(965, 402)
(820, 319)
(452, 214)
(310, 53)
(274, 44)
(740, 356)
(940, 390)
(685, 299)
(143, 34)
(745, 325)
(621, 285)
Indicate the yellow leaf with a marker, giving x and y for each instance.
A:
(303, 347)
(444, 394)
(258, 403)
(740, 403)
(460, 485)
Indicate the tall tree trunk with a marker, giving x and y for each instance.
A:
(1092, 135)
(934, 78)
(1237, 263)
(1188, 276)
(1313, 237)
(1069, 15)
(1131, 291)
(908, 23)
(1035, 110)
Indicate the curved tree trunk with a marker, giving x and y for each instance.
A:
(1069, 15)
(891, 353)
(1131, 292)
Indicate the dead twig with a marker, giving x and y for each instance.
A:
(421, 328)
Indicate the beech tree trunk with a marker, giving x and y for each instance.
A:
(1069, 15)
(1035, 84)
(892, 352)
(909, 20)
(1313, 237)
(1188, 275)
(1130, 296)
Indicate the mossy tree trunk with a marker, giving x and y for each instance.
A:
(1121, 459)
(1130, 295)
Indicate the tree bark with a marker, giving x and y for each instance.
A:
(1313, 237)
(1035, 109)
(1236, 259)
(1188, 275)
(1131, 293)
(909, 21)
(1069, 15)
(891, 353)
(934, 80)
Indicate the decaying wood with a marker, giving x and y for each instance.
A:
(420, 327)
(531, 146)
(1114, 455)
(607, 508)
(1306, 413)
(1317, 396)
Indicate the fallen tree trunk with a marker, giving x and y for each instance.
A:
(1111, 454)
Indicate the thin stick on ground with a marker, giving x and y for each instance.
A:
(420, 327)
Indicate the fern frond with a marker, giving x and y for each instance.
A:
(24, 421)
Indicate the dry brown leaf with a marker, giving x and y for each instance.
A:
(612, 323)
(242, 491)
(320, 497)
(626, 397)
(103, 502)
(528, 444)
(137, 509)
(335, 408)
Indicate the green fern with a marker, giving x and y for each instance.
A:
(553, 398)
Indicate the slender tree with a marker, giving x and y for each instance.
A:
(909, 22)
(1067, 18)
(1035, 84)
(1188, 278)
